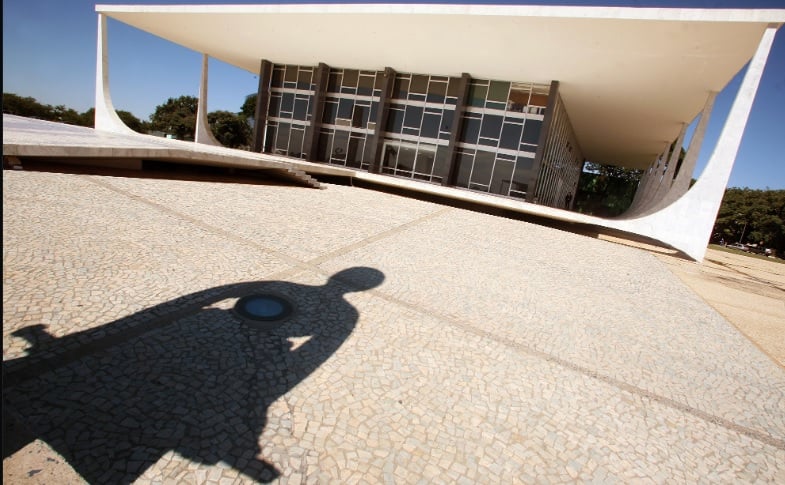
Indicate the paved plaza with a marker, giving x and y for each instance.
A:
(428, 344)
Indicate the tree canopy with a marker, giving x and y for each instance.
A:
(605, 190)
(752, 216)
(230, 129)
(31, 108)
(177, 116)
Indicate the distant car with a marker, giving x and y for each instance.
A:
(738, 246)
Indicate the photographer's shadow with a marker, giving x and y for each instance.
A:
(199, 386)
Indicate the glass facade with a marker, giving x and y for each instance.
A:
(500, 127)
(501, 131)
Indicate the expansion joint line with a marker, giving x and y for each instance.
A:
(46, 364)
(621, 385)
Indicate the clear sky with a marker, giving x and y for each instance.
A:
(49, 51)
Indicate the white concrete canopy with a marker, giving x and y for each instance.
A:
(629, 76)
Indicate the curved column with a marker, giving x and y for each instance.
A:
(681, 181)
(686, 224)
(204, 134)
(106, 118)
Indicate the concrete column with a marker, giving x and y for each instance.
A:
(659, 199)
(311, 143)
(686, 224)
(655, 181)
(106, 118)
(375, 143)
(643, 185)
(262, 104)
(682, 181)
(204, 134)
(547, 121)
(673, 161)
(456, 131)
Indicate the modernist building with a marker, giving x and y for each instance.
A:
(504, 100)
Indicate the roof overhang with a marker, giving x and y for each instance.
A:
(629, 77)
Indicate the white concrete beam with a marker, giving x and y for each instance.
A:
(106, 118)
(687, 223)
(204, 134)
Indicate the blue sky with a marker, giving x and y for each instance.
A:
(49, 53)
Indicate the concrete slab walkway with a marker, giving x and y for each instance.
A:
(493, 351)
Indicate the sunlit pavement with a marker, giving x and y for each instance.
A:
(426, 343)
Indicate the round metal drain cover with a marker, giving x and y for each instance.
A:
(263, 307)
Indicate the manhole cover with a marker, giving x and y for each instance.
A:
(263, 307)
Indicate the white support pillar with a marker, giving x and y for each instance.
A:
(650, 181)
(106, 118)
(204, 134)
(687, 223)
(660, 198)
(682, 181)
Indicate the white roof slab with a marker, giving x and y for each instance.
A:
(629, 76)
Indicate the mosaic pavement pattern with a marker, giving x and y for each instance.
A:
(428, 344)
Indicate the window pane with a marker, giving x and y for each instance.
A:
(300, 109)
(350, 77)
(304, 79)
(360, 118)
(491, 126)
(345, 108)
(390, 156)
(519, 97)
(471, 130)
(483, 165)
(277, 79)
(430, 125)
(454, 87)
(440, 163)
(511, 136)
(275, 105)
(296, 142)
(282, 140)
(395, 121)
(424, 163)
(340, 142)
(291, 74)
(477, 95)
(419, 84)
(498, 91)
(447, 117)
(465, 161)
(401, 88)
(287, 102)
(406, 158)
(354, 153)
(365, 87)
(334, 83)
(413, 117)
(502, 177)
(531, 131)
(269, 140)
(330, 113)
(325, 142)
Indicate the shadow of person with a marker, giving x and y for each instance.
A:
(198, 384)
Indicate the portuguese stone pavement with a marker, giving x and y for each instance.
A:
(427, 344)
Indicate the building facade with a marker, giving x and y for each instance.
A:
(548, 87)
(506, 138)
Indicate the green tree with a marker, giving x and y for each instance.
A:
(177, 116)
(249, 107)
(230, 129)
(752, 216)
(606, 190)
(26, 106)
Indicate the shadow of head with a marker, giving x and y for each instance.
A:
(196, 380)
